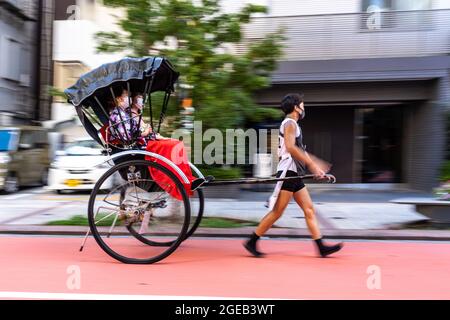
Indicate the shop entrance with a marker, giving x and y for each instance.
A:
(381, 143)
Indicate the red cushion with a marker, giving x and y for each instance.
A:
(173, 150)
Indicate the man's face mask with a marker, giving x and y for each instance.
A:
(302, 113)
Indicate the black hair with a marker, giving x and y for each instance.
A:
(135, 94)
(290, 101)
(118, 90)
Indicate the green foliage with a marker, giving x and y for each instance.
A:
(80, 220)
(221, 172)
(55, 92)
(207, 222)
(212, 222)
(445, 171)
(223, 83)
(448, 134)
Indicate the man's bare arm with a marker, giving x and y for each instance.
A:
(289, 140)
(316, 166)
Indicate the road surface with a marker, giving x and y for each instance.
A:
(52, 267)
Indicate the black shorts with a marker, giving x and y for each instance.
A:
(292, 185)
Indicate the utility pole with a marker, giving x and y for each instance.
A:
(39, 24)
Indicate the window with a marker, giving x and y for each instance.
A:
(41, 139)
(83, 148)
(376, 15)
(27, 138)
(399, 5)
(396, 15)
(10, 62)
(405, 5)
(25, 67)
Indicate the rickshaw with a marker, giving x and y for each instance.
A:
(149, 211)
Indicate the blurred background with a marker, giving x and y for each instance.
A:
(375, 74)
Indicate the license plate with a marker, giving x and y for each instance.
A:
(72, 182)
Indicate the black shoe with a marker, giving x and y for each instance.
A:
(251, 247)
(325, 250)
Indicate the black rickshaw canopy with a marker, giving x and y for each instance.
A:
(127, 69)
(94, 89)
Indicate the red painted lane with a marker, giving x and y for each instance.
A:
(221, 268)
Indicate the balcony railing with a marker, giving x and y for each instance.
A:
(357, 35)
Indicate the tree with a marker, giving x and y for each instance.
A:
(194, 36)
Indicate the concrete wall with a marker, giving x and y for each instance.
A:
(347, 94)
(74, 37)
(16, 96)
(295, 7)
(352, 36)
(21, 101)
(425, 145)
(314, 7)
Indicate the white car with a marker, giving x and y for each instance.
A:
(78, 167)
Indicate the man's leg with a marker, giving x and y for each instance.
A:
(269, 219)
(303, 199)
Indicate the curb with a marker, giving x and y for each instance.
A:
(343, 234)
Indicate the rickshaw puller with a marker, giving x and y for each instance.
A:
(293, 162)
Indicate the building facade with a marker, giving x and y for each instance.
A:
(375, 74)
(74, 49)
(25, 61)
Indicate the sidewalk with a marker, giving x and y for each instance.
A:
(346, 214)
(331, 215)
(349, 209)
(340, 234)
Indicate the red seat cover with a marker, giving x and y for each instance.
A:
(173, 150)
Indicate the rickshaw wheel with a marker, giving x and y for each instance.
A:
(135, 209)
(192, 228)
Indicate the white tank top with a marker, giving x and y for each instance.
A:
(283, 154)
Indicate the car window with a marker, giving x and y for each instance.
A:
(26, 137)
(41, 139)
(83, 147)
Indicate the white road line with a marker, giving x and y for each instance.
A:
(17, 196)
(93, 296)
(42, 205)
(39, 191)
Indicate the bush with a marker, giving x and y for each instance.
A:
(445, 171)
(448, 135)
(221, 173)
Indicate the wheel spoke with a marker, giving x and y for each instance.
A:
(98, 221)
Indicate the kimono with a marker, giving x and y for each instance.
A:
(122, 126)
